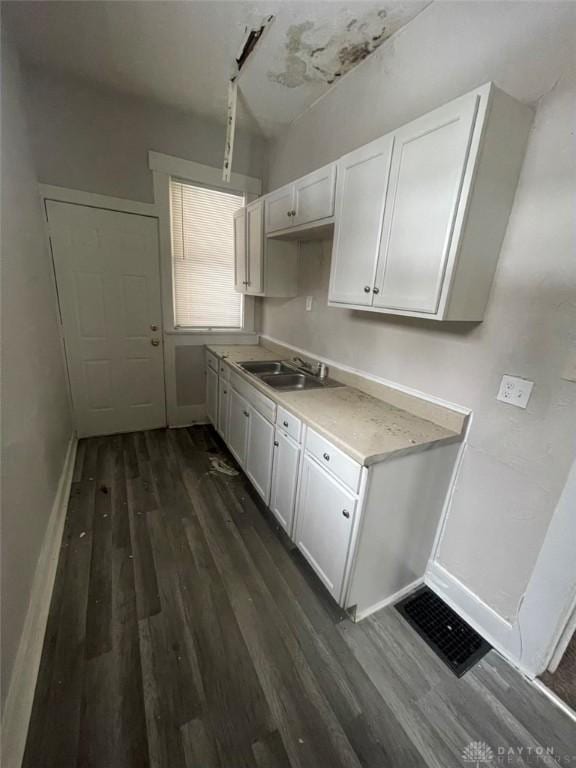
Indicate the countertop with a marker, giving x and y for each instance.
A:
(365, 428)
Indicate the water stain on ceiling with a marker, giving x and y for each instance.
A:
(314, 53)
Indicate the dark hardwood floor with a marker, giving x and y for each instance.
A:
(184, 633)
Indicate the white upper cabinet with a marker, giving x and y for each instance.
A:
(262, 267)
(254, 248)
(279, 206)
(300, 208)
(428, 164)
(314, 196)
(240, 271)
(360, 199)
(421, 213)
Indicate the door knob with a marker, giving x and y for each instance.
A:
(276, 443)
(155, 342)
(153, 327)
(326, 456)
(366, 289)
(375, 290)
(345, 513)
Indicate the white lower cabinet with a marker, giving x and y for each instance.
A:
(284, 480)
(324, 524)
(238, 416)
(223, 410)
(212, 395)
(260, 446)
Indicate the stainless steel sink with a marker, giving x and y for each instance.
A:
(260, 367)
(296, 381)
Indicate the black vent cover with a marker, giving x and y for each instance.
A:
(453, 641)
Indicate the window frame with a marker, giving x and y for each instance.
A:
(203, 328)
(164, 167)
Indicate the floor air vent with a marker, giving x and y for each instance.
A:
(454, 641)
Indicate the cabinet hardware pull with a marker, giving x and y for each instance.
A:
(366, 289)
(346, 513)
(276, 443)
(327, 456)
(293, 213)
(225, 391)
(375, 290)
(289, 213)
(246, 413)
(155, 342)
(284, 423)
(153, 327)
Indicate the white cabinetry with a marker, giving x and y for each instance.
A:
(223, 407)
(307, 204)
(260, 447)
(262, 267)
(212, 395)
(238, 416)
(360, 198)
(324, 526)
(284, 479)
(420, 234)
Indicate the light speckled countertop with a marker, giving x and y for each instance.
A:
(365, 428)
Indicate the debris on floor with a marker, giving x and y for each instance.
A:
(220, 464)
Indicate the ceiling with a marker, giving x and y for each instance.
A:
(182, 53)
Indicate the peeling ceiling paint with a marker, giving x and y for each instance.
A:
(313, 54)
(182, 54)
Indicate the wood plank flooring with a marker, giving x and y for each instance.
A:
(184, 633)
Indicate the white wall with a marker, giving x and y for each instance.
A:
(36, 423)
(516, 461)
(88, 138)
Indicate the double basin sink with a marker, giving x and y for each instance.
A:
(284, 376)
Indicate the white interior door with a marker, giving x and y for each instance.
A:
(428, 165)
(107, 273)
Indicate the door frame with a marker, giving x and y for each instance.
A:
(49, 192)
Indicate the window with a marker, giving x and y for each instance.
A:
(203, 257)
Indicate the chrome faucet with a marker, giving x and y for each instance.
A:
(320, 370)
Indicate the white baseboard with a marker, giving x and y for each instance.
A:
(556, 699)
(501, 634)
(389, 600)
(18, 706)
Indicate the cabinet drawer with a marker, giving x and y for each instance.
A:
(261, 403)
(290, 424)
(212, 361)
(343, 467)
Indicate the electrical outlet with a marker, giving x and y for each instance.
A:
(308, 303)
(515, 391)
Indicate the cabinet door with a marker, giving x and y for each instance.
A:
(362, 179)
(212, 396)
(314, 195)
(259, 453)
(284, 480)
(223, 403)
(324, 525)
(238, 415)
(278, 208)
(240, 269)
(255, 247)
(428, 164)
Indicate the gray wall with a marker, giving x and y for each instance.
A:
(36, 423)
(517, 461)
(96, 140)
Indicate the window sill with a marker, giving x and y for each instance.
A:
(209, 332)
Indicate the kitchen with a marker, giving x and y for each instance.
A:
(296, 377)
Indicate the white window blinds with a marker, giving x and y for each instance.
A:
(203, 257)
